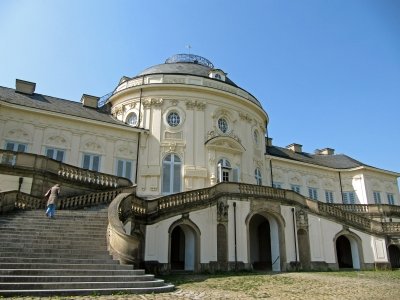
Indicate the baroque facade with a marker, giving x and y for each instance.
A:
(211, 191)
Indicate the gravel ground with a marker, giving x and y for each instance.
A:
(313, 285)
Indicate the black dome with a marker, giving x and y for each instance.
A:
(185, 64)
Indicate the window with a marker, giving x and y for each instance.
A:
(349, 198)
(124, 168)
(257, 175)
(171, 181)
(329, 196)
(57, 154)
(377, 197)
(224, 170)
(218, 76)
(256, 137)
(223, 125)
(313, 193)
(91, 162)
(132, 119)
(277, 185)
(295, 188)
(390, 199)
(16, 146)
(173, 119)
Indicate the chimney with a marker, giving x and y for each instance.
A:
(25, 87)
(89, 101)
(268, 141)
(326, 151)
(297, 148)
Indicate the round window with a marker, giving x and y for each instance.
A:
(132, 119)
(173, 119)
(223, 125)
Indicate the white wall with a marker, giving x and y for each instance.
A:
(11, 183)
(242, 210)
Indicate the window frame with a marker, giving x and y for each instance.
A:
(223, 125)
(169, 168)
(349, 197)
(329, 196)
(129, 117)
(377, 197)
(55, 153)
(124, 168)
(313, 193)
(178, 118)
(390, 198)
(295, 188)
(92, 157)
(258, 176)
(16, 146)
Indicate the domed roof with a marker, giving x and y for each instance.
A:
(186, 64)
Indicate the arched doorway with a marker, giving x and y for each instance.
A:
(183, 248)
(264, 243)
(394, 255)
(347, 252)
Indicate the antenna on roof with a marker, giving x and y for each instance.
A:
(189, 47)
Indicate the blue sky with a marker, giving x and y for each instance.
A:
(326, 72)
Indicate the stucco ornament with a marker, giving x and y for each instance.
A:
(301, 219)
(222, 211)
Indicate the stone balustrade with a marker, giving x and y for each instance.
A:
(371, 209)
(45, 172)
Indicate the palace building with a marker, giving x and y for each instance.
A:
(199, 186)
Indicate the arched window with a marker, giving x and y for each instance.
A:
(257, 174)
(171, 181)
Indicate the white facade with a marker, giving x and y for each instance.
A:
(184, 126)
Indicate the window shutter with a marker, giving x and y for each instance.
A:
(235, 175)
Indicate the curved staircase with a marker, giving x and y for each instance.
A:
(64, 256)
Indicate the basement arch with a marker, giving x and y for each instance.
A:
(184, 246)
(265, 244)
(394, 256)
(348, 248)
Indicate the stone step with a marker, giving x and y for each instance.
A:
(65, 272)
(46, 260)
(88, 292)
(79, 285)
(62, 266)
(76, 278)
(51, 251)
(53, 243)
(64, 256)
(100, 255)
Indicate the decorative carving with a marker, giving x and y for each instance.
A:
(57, 140)
(18, 134)
(174, 102)
(147, 103)
(178, 80)
(213, 133)
(222, 211)
(301, 219)
(191, 105)
(245, 117)
(92, 146)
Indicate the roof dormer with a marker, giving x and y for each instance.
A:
(217, 74)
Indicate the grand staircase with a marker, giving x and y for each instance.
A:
(64, 256)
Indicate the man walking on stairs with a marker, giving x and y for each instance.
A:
(53, 193)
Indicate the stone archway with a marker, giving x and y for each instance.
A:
(184, 246)
(264, 242)
(394, 255)
(348, 249)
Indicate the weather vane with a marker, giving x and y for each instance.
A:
(189, 47)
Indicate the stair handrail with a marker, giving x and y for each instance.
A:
(122, 246)
(59, 170)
